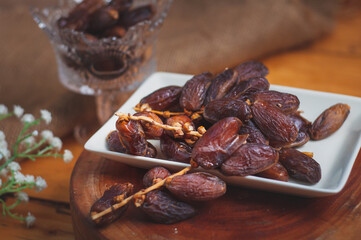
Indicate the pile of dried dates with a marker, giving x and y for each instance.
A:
(231, 122)
(101, 19)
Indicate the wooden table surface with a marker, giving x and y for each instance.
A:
(332, 64)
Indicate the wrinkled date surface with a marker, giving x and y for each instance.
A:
(132, 136)
(199, 186)
(273, 123)
(286, 102)
(175, 150)
(251, 69)
(154, 175)
(254, 134)
(151, 131)
(163, 208)
(114, 143)
(194, 91)
(329, 121)
(227, 107)
(245, 89)
(218, 143)
(113, 195)
(250, 158)
(300, 166)
(221, 85)
(163, 98)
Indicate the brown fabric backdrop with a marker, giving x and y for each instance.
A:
(198, 35)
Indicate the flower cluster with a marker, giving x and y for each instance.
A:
(28, 145)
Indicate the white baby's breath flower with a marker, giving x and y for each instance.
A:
(30, 220)
(3, 109)
(56, 143)
(35, 133)
(4, 172)
(68, 156)
(47, 134)
(30, 141)
(4, 152)
(18, 111)
(19, 177)
(27, 118)
(40, 184)
(46, 115)
(14, 166)
(2, 136)
(29, 178)
(22, 196)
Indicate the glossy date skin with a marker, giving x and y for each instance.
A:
(199, 186)
(132, 136)
(161, 207)
(287, 103)
(329, 121)
(250, 158)
(300, 166)
(114, 143)
(254, 134)
(108, 199)
(194, 91)
(155, 174)
(245, 89)
(273, 123)
(221, 85)
(218, 143)
(163, 98)
(151, 131)
(175, 150)
(276, 172)
(227, 107)
(251, 69)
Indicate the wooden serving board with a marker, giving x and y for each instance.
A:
(240, 214)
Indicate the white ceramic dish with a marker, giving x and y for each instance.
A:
(336, 154)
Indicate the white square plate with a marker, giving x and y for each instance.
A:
(336, 154)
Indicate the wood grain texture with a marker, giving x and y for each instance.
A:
(240, 213)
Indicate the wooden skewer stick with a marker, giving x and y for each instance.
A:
(138, 194)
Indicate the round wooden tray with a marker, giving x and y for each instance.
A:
(240, 214)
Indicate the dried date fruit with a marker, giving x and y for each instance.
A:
(132, 17)
(163, 208)
(221, 85)
(199, 186)
(254, 134)
(103, 18)
(250, 158)
(300, 166)
(286, 102)
(132, 136)
(116, 31)
(302, 139)
(227, 107)
(114, 143)
(150, 151)
(329, 121)
(218, 143)
(276, 172)
(121, 5)
(179, 121)
(155, 174)
(111, 196)
(194, 91)
(245, 89)
(78, 17)
(251, 69)
(301, 123)
(175, 150)
(151, 131)
(273, 123)
(163, 98)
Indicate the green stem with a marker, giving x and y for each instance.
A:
(6, 115)
(7, 162)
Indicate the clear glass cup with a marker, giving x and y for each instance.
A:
(107, 68)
